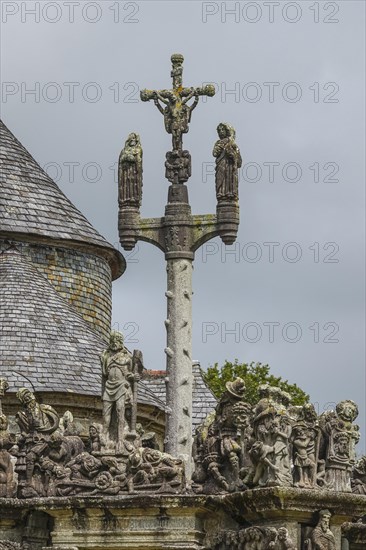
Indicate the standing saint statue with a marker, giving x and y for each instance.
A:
(322, 537)
(130, 172)
(118, 379)
(228, 162)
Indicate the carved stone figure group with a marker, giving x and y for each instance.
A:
(274, 443)
(52, 459)
(316, 537)
(50, 463)
(252, 538)
(237, 447)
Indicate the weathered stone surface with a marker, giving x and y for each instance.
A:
(228, 162)
(130, 172)
(355, 533)
(218, 449)
(7, 440)
(251, 538)
(188, 522)
(340, 436)
(274, 443)
(261, 504)
(176, 111)
(136, 522)
(321, 536)
(51, 459)
(119, 389)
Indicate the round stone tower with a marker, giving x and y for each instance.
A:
(48, 229)
(56, 275)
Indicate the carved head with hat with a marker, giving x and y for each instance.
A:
(25, 396)
(236, 388)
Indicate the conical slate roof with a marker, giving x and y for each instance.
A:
(41, 336)
(32, 205)
(44, 339)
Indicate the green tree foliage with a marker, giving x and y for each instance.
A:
(254, 374)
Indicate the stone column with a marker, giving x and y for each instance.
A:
(179, 360)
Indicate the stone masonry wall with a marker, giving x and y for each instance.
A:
(84, 280)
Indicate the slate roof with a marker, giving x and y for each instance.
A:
(41, 336)
(204, 402)
(146, 396)
(32, 204)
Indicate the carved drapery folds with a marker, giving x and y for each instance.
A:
(228, 162)
(276, 444)
(340, 437)
(217, 449)
(130, 173)
(321, 536)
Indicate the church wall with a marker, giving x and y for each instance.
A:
(84, 280)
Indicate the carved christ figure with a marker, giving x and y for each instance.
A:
(177, 114)
(130, 172)
(228, 162)
(173, 103)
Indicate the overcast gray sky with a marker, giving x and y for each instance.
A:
(296, 75)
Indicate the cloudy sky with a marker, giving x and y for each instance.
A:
(290, 78)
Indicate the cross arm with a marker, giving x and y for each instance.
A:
(204, 228)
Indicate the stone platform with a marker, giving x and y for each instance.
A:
(184, 522)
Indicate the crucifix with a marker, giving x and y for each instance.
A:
(178, 235)
(177, 112)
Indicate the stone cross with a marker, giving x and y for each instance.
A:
(176, 111)
(178, 234)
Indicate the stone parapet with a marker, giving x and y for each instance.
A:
(296, 510)
(184, 522)
(131, 522)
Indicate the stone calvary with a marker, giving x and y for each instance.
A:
(96, 450)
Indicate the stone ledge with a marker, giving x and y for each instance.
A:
(280, 502)
(132, 502)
